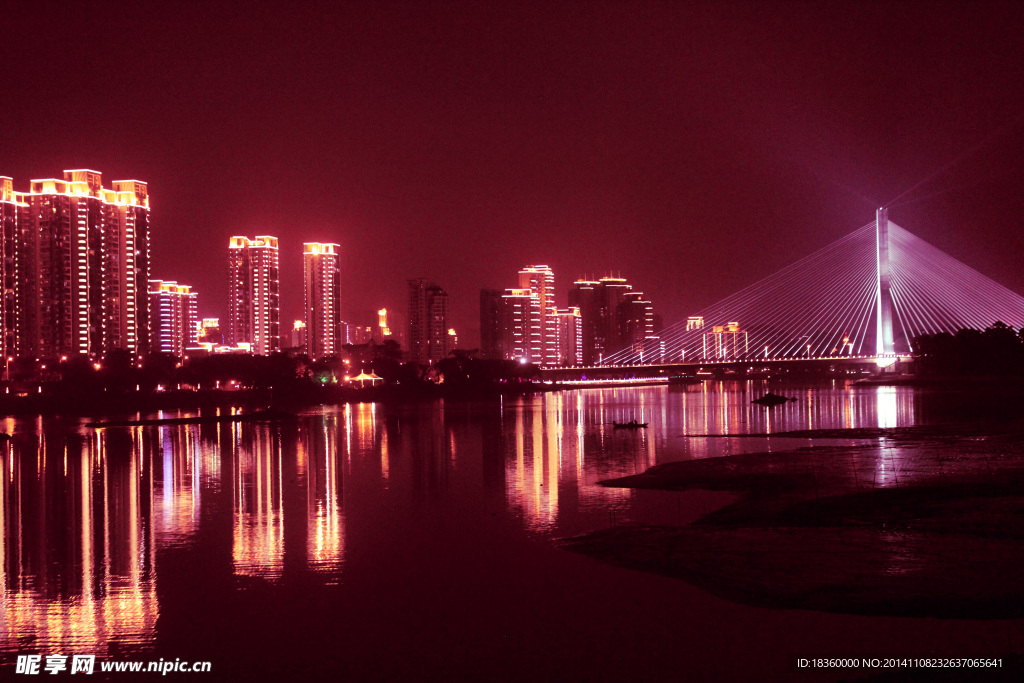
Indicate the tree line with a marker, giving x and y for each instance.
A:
(995, 351)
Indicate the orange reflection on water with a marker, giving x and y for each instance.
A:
(178, 495)
(547, 453)
(258, 539)
(325, 539)
(77, 566)
(531, 468)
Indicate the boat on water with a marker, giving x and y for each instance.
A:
(771, 399)
(632, 424)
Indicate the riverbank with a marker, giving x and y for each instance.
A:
(59, 400)
(913, 522)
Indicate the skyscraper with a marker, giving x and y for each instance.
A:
(541, 281)
(76, 266)
(521, 326)
(429, 340)
(570, 336)
(490, 324)
(174, 316)
(322, 287)
(254, 298)
(585, 295)
(613, 316)
(9, 210)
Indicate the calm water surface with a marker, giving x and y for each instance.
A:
(409, 540)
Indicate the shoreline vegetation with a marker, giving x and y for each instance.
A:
(919, 521)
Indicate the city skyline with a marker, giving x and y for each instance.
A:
(743, 279)
(169, 312)
(704, 145)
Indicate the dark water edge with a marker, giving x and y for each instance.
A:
(58, 400)
(920, 521)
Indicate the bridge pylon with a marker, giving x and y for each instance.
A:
(884, 341)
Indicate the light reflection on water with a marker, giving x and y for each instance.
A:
(86, 512)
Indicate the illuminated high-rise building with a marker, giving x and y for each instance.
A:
(9, 210)
(612, 317)
(570, 336)
(541, 281)
(585, 296)
(429, 340)
(636, 319)
(174, 316)
(521, 326)
(254, 296)
(382, 332)
(322, 300)
(79, 254)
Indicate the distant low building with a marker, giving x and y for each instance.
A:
(173, 308)
(299, 335)
(209, 332)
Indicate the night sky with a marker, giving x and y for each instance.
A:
(692, 148)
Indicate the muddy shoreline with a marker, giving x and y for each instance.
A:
(923, 521)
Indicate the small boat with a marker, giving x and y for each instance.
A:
(632, 424)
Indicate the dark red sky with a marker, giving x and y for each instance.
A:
(691, 147)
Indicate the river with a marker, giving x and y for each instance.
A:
(386, 542)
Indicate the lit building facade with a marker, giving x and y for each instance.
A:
(9, 212)
(254, 294)
(521, 326)
(585, 296)
(174, 310)
(299, 335)
(75, 266)
(570, 336)
(322, 287)
(636, 319)
(726, 341)
(613, 317)
(429, 340)
(382, 332)
(540, 280)
(209, 332)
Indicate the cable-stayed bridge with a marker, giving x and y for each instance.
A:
(866, 295)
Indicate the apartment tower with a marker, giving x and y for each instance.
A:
(429, 340)
(174, 316)
(540, 280)
(75, 266)
(254, 294)
(321, 276)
